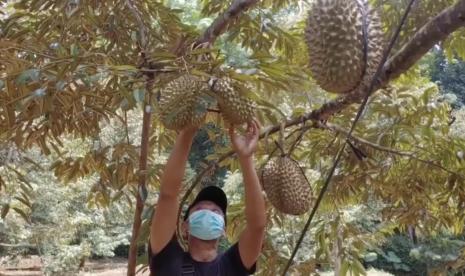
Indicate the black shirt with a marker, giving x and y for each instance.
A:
(171, 258)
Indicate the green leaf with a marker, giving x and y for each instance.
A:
(358, 268)
(393, 258)
(117, 196)
(405, 267)
(60, 85)
(200, 73)
(21, 213)
(25, 201)
(39, 93)
(27, 76)
(71, 7)
(74, 50)
(129, 68)
(139, 95)
(370, 257)
(125, 104)
(163, 54)
(5, 210)
(143, 192)
(344, 268)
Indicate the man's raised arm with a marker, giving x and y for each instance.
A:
(251, 239)
(164, 220)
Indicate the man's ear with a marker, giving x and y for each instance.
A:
(185, 230)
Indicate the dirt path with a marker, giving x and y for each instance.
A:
(32, 266)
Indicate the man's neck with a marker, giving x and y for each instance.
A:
(203, 251)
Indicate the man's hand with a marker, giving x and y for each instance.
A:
(245, 145)
(165, 217)
(189, 131)
(251, 239)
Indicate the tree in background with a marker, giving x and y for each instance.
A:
(208, 138)
(449, 74)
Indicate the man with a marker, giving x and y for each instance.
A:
(204, 222)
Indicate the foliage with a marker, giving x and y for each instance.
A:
(449, 75)
(207, 140)
(58, 221)
(73, 85)
(458, 126)
(399, 255)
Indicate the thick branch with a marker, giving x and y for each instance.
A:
(223, 21)
(436, 30)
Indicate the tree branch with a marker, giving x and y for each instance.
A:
(436, 30)
(411, 155)
(224, 21)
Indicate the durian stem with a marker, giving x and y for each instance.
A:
(281, 149)
(297, 141)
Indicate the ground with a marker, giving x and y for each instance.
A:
(31, 266)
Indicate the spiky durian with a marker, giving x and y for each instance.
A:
(286, 186)
(234, 107)
(182, 103)
(341, 56)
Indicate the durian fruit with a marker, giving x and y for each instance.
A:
(234, 107)
(181, 103)
(341, 57)
(286, 186)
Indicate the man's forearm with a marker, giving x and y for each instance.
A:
(173, 174)
(254, 201)
(164, 220)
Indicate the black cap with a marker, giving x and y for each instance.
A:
(213, 194)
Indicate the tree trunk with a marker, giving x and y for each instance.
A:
(144, 150)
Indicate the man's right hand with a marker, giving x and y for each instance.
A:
(189, 131)
(164, 220)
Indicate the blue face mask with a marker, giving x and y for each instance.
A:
(206, 225)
